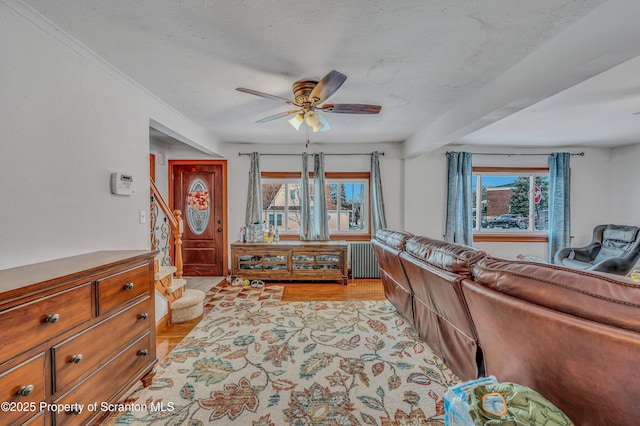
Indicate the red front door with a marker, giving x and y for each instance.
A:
(198, 191)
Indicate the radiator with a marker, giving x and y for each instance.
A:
(363, 262)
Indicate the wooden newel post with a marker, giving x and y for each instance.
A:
(177, 243)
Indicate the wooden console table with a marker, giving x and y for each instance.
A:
(74, 332)
(290, 260)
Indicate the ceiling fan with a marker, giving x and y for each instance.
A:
(309, 95)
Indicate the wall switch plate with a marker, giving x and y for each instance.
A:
(143, 216)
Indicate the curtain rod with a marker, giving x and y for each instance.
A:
(581, 154)
(311, 153)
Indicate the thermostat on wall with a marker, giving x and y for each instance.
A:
(122, 184)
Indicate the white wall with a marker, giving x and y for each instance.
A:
(67, 120)
(591, 194)
(625, 190)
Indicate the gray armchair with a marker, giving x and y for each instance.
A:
(614, 249)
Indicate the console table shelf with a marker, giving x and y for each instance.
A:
(290, 260)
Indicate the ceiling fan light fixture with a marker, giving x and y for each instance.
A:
(297, 120)
(312, 119)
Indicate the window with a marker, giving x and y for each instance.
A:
(281, 204)
(347, 197)
(275, 219)
(346, 202)
(510, 201)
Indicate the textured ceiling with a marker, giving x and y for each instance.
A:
(444, 71)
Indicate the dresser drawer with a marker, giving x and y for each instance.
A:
(118, 289)
(23, 386)
(85, 352)
(33, 323)
(104, 383)
(39, 420)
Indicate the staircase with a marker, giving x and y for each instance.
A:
(184, 304)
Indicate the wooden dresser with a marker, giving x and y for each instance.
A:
(75, 332)
(290, 260)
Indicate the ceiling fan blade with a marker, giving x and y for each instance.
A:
(351, 108)
(278, 115)
(327, 87)
(265, 95)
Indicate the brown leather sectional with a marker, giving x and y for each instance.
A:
(573, 336)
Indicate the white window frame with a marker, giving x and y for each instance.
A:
(331, 178)
(518, 234)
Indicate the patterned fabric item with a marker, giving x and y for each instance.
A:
(274, 363)
(509, 404)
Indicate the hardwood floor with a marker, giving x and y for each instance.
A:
(360, 289)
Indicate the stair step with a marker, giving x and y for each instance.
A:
(165, 271)
(188, 307)
(177, 284)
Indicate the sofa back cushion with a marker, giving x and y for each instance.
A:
(393, 239)
(387, 246)
(453, 258)
(594, 296)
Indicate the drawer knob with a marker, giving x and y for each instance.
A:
(75, 411)
(51, 319)
(128, 286)
(143, 352)
(143, 316)
(76, 359)
(25, 390)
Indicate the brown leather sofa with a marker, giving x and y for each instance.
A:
(387, 246)
(434, 270)
(572, 335)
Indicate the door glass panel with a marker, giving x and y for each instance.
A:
(198, 207)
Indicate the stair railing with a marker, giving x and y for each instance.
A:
(176, 227)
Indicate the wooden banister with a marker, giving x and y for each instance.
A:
(174, 218)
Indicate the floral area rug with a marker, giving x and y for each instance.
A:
(230, 293)
(272, 363)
